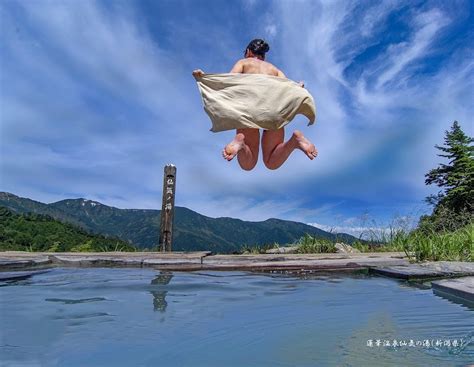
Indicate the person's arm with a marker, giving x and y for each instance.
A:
(280, 74)
(238, 67)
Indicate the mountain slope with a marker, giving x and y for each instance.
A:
(24, 205)
(192, 231)
(37, 232)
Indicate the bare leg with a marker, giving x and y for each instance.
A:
(276, 152)
(245, 146)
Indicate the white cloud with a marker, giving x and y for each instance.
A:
(249, 4)
(270, 30)
(96, 105)
(368, 229)
(402, 54)
(376, 16)
(359, 232)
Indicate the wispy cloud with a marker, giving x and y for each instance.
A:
(367, 228)
(100, 97)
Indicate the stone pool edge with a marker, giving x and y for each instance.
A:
(202, 260)
(388, 264)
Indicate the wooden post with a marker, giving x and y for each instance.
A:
(167, 209)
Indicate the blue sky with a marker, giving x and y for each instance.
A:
(96, 97)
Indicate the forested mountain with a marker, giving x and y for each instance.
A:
(192, 231)
(37, 232)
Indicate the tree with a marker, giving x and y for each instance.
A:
(456, 179)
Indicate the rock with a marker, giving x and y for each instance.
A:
(342, 247)
(283, 250)
(462, 288)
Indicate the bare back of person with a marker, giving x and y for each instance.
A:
(253, 65)
(246, 143)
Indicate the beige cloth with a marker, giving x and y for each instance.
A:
(235, 101)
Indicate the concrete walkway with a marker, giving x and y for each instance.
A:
(390, 264)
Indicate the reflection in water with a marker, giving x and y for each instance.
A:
(159, 297)
(75, 301)
(227, 319)
(452, 298)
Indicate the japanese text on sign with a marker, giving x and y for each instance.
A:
(169, 193)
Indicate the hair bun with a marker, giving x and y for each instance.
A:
(258, 46)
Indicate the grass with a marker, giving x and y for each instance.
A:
(257, 249)
(117, 248)
(310, 245)
(434, 246)
(419, 245)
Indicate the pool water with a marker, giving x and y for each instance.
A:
(144, 317)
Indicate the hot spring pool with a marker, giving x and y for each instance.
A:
(141, 317)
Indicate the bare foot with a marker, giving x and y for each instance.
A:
(305, 145)
(231, 149)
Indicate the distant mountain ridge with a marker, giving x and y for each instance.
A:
(192, 231)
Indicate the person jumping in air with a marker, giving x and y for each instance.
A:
(246, 143)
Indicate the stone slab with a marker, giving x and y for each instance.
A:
(462, 288)
(164, 261)
(427, 270)
(11, 260)
(10, 263)
(204, 260)
(295, 262)
(19, 275)
(127, 259)
(221, 259)
(30, 255)
(95, 260)
(405, 272)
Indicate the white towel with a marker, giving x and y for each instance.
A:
(259, 101)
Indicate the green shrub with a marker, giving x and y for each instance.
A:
(310, 245)
(423, 244)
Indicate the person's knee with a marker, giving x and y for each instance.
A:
(266, 155)
(248, 167)
(269, 164)
(248, 164)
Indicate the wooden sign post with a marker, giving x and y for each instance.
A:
(167, 209)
